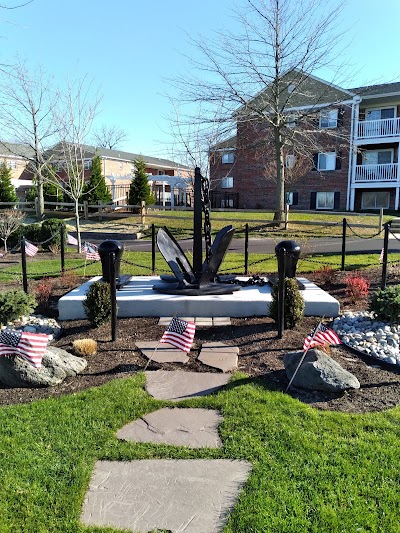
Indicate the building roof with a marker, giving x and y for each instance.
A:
(16, 149)
(90, 151)
(382, 88)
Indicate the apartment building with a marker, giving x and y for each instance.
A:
(351, 162)
(16, 157)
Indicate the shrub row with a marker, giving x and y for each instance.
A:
(39, 232)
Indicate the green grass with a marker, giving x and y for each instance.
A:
(312, 471)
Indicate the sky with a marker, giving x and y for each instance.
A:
(129, 48)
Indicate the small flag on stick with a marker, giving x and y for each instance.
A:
(30, 249)
(30, 346)
(71, 239)
(321, 336)
(180, 334)
(91, 251)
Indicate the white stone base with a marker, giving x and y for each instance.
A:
(137, 298)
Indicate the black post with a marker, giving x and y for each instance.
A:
(23, 263)
(197, 225)
(281, 291)
(113, 293)
(344, 243)
(246, 250)
(153, 249)
(385, 255)
(62, 235)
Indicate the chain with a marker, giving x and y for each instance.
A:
(206, 205)
(394, 235)
(362, 236)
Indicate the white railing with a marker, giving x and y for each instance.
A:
(371, 173)
(386, 127)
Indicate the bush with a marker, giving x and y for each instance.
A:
(97, 304)
(85, 347)
(325, 275)
(52, 227)
(294, 303)
(43, 291)
(31, 232)
(385, 304)
(357, 287)
(14, 304)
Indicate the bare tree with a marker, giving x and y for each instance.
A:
(109, 136)
(255, 75)
(10, 220)
(74, 115)
(26, 103)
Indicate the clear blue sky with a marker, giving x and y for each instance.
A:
(129, 47)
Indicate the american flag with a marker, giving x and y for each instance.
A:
(321, 336)
(30, 346)
(180, 334)
(91, 251)
(71, 239)
(30, 249)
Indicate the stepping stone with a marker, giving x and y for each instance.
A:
(190, 496)
(165, 353)
(221, 321)
(204, 321)
(219, 355)
(215, 321)
(195, 428)
(179, 385)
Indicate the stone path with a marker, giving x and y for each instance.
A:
(181, 496)
(165, 353)
(219, 355)
(199, 321)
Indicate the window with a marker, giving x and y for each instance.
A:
(328, 118)
(327, 161)
(228, 157)
(87, 165)
(289, 198)
(11, 164)
(160, 172)
(227, 202)
(289, 162)
(291, 122)
(375, 200)
(379, 114)
(325, 200)
(227, 183)
(377, 157)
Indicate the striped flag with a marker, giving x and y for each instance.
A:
(180, 334)
(91, 251)
(321, 336)
(71, 239)
(30, 346)
(30, 249)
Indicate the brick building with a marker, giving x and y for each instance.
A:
(351, 162)
(16, 157)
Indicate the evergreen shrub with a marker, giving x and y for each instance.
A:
(97, 303)
(14, 304)
(385, 304)
(294, 303)
(51, 227)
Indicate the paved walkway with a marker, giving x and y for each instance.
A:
(182, 496)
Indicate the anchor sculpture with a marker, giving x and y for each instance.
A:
(202, 278)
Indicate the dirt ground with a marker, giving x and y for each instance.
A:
(260, 355)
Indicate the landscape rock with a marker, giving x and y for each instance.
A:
(318, 372)
(57, 364)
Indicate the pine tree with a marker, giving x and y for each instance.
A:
(7, 189)
(139, 190)
(96, 189)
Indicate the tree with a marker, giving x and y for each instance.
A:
(10, 221)
(139, 190)
(52, 192)
(252, 77)
(26, 104)
(109, 136)
(96, 189)
(7, 190)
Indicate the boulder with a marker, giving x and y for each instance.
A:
(57, 364)
(318, 372)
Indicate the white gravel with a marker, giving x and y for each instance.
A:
(362, 331)
(37, 324)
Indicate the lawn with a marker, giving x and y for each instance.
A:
(312, 471)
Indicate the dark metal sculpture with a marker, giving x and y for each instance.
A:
(201, 279)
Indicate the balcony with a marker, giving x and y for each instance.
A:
(376, 173)
(377, 129)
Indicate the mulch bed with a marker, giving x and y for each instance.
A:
(260, 356)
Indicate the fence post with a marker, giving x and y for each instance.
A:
(380, 219)
(281, 291)
(344, 243)
(37, 207)
(286, 216)
(62, 236)
(153, 249)
(23, 264)
(143, 212)
(85, 209)
(246, 250)
(113, 294)
(385, 255)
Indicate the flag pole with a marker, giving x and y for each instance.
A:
(304, 354)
